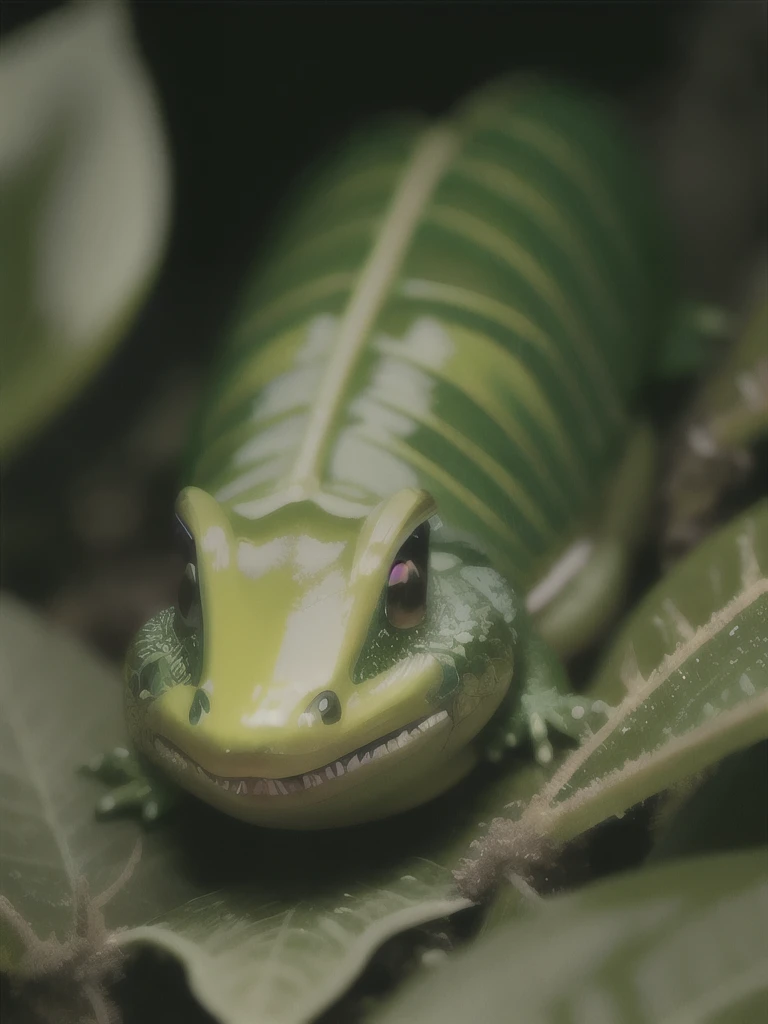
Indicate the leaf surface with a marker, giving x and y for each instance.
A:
(60, 703)
(679, 944)
(84, 203)
(247, 959)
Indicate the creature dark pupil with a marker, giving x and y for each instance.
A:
(406, 596)
(405, 585)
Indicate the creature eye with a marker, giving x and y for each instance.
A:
(188, 603)
(406, 598)
(327, 705)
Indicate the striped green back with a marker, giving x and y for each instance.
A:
(470, 309)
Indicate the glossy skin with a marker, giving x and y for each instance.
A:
(455, 323)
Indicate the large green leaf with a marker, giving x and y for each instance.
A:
(679, 944)
(294, 917)
(84, 203)
(690, 669)
(58, 702)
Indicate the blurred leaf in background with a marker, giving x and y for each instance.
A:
(84, 204)
(682, 944)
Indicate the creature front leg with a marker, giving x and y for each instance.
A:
(540, 700)
(133, 786)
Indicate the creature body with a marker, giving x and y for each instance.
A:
(423, 423)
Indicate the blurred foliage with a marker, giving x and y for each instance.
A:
(84, 179)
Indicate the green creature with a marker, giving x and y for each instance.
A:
(419, 477)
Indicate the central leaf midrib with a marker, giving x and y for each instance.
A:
(430, 159)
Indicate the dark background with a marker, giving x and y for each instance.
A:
(250, 93)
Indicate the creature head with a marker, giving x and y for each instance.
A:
(318, 670)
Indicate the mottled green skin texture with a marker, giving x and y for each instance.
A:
(453, 321)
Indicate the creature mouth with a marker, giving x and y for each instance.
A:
(377, 750)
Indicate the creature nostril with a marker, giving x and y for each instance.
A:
(327, 705)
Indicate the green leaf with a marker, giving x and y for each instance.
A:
(284, 961)
(60, 702)
(84, 204)
(678, 944)
(295, 916)
(690, 671)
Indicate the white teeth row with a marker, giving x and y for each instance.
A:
(282, 787)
